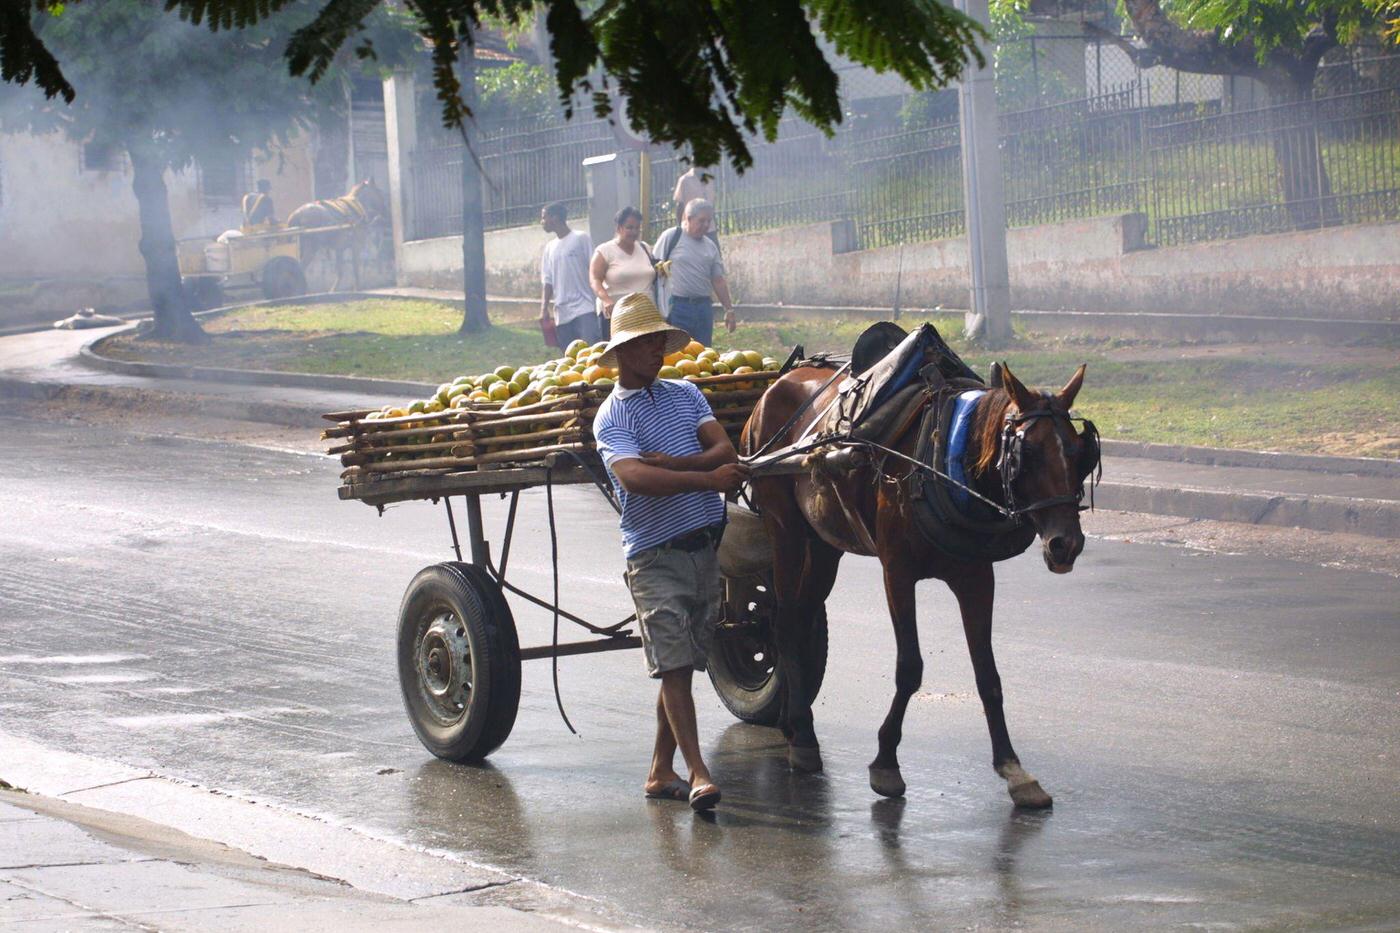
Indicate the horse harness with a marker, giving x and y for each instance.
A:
(980, 528)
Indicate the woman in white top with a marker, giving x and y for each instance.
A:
(621, 265)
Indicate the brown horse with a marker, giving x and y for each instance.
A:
(364, 209)
(866, 507)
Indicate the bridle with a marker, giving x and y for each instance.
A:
(1088, 466)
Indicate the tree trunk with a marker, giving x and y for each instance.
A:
(1303, 178)
(474, 316)
(173, 320)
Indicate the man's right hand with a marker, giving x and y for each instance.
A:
(729, 477)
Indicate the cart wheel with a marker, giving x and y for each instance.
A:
(204, 292)
(743, 661)
(459, 661)
(283, 277)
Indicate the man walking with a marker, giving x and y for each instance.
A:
(670, 460)
(564, 275)
(691, 264)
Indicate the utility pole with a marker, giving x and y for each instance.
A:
(989, 321)
(474, 316)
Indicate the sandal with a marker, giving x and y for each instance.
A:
(676, 790)
(704, 797)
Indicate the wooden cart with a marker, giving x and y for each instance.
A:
(459, 653)
(272, 257)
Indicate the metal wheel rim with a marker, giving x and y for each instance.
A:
(748, 649)
(442, 660)
(750, 660)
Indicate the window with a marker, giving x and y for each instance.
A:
(101, 157)
(222, 180)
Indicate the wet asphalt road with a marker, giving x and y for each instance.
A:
(1219, 731)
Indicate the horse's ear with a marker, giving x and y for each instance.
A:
(1023, 397)
(1071, 389)
(994, 377)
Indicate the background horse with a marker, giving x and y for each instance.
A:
(866, 507)
(363, 208)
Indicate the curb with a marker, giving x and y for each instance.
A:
(1369, 517)
(285, 415)
(1374, 518)
(1259, 459)
(91, 358)
(1206, 456)
(279, 835)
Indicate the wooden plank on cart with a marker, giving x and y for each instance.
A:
(385, 491)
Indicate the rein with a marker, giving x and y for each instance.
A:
(1008, 466)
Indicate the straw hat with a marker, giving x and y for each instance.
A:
(634, 316)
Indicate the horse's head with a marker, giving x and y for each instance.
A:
(1044, 462)
(371, 198)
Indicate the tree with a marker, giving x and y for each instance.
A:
(168, 94)
(1277, 42)
(700, 74)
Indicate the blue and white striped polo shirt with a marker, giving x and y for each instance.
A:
(663, 418)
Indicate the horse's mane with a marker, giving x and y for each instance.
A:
(986, 427)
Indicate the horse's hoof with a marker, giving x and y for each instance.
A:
(887, 782)
(1031, 796)
(805, 758)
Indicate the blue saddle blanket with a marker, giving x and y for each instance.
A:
(959, 426)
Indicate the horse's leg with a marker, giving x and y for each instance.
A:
(338, 251)
(355, 244)
(974, 591)
(885, 778)
(818, 579)
(791, 630)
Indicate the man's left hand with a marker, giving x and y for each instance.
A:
(658, 459)
(729, 322)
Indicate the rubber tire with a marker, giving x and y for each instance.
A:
(204, 293)
(283, 277)
(475, 598)
(763, 706)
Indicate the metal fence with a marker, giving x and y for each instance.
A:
(1295, 166)
(524, 166)
(799, 178)
(1206, 164)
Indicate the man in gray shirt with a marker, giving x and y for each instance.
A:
(691, 264)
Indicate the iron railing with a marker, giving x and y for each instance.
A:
(523, 167)
(1295, 166)
(1198, 168)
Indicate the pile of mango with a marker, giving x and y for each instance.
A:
(516, 387)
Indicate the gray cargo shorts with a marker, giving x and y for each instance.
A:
(677, 596)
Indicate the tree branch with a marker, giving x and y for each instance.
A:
(1199, 51)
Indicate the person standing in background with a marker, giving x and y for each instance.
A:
(621, 266)
(690, 264)
(564, 276)
(695, 183)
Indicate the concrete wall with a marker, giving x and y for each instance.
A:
(68, 236)
(58, 220)
(512, 262)
(1099, 264)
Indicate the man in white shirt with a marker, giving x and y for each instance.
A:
(564, 275)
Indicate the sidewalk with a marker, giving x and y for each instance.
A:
(1317, 493)
(70, 867)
